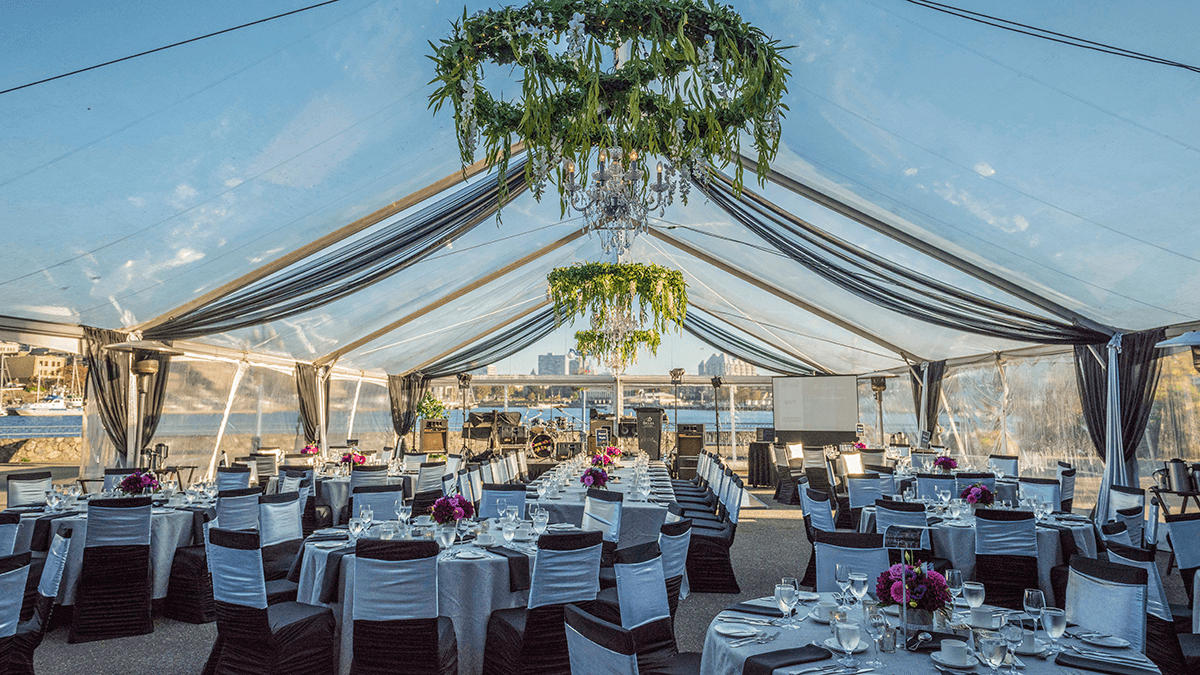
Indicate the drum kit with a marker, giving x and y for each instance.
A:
(547, 434)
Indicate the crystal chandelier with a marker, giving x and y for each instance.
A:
(616, 203)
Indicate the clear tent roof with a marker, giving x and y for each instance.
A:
(131, 189)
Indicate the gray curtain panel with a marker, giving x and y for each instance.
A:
(937, 369)
(406, 392)
(1138, 368)
(306, 389)
(109, 375)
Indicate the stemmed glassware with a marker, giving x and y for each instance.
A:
(785, 599)
(992, 650)
(875, 623)
(841, 574)
(1012, 632)
(858, 585)
(973, 593)
(403, 512)
(1055, 621)
(541, 518)
(1034, 603)
(356, 528)
(848, 635)
(954, 584)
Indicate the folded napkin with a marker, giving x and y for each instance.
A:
(42, 530)
(333, 573)
(1070, 660)
(767, 662)
(747, 608)
(328, 537)
(200, 516)
(933, 645)
(518, 568)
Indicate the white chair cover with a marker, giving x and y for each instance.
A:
(820, 511)
(599, 514)
(885, 517)
(1066, 481)
(412, 463)
(362, 475)
(814, 458)
(289, 482)
(486, 474)
(928, 484)
(1116, 532)
(118, 526)
(449, 484)
(14, 570)
(1120, 497)
(641, 585)
(56, 562)
(279, 519)
(499, 470)
(453, 463)
(1009, 464)
(31, 488)
(476, 475)
(1043, 490)
(864, 489)
(238, 509)
(872, 560)
(267, 463)
(1184, 530)
(599, 650)
(9, 524)
(1005, 537)
(733, 500)
(561, 577)
(510, 460)
(523, 464)
(381, 499)
(674, 556)
(1156, 596)
(1106, 601)
(391, 590)
(1134, 525)
(236, 564)
(233, 478)
(493, 493)
(887, 478)
(464, 485)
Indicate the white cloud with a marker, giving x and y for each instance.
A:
(47, 310)
(184, 191)
(1020, 222)
(233, 182)
(911, 171)
(984, 169)
(139, 202)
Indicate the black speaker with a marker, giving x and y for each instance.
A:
(691, 439)
(568, 450)
(627, 428)
(691, 429)
(510, 434)
(765, 434)
(649, 431)
(434, 435)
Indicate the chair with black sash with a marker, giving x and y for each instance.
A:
(1134, 520)
(499, 470)
(289, 481)
(113, 596)
(907, 514)
(30, 633)
(9, 524)
(887, 478)
(817, 507)
(383, 500)
(1162, 644)
(644, 610)
(864, 489)
(233, 478)
(113, 477)
(1009, 464)
(14, 570)
(1114, 533)
(863, 552)
(1006, 555)
(238, 509)
(267, 465)
(315, 515)
(602, 513)
(598, 646)
(362, 475)
(429, 478)
(1183, 535)
(29, 489)
(464, 486)
(189, 588)
(709, 567)
(411, 462)
(475, 474)
(966, 479)
(1066, 486)
(453, 464)
(1045, 490)
(674, 539)
(1108, 598)
(531, 640)
(929, 484)
(281, 539)
(785, 478)
(1121, 497)
(496, 497)
(252, 637)
(396, 594)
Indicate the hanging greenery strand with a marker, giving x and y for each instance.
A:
(696, 77)
(630, 304)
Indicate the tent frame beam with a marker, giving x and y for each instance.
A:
(446, 299)
(344, 232)
(476, 337)
(782, 294)
(841, 208)
(786, 349)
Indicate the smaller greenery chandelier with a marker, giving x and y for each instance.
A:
(620, 81)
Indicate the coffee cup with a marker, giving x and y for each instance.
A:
(1028, 644)
(954, 652)
(983, 617)
(825, 610)
(424, 521)
(484, 540)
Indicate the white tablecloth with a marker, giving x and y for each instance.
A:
(957, 544)
(468, 592)
(336, 493)
(721, 659)
(640, 521)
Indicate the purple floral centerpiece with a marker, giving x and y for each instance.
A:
(138, 482)
(354, 458)
(612, 451)
(451, 509)
(978, 493)
(310, 449)
(601, 459)
(945, 463)
(594, 477)
(926, 590)
(860, 446)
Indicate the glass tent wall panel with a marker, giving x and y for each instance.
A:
(197, 391)
(265, 413)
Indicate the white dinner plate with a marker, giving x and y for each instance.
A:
(732, 631)
(329, 544)
(468, 554)
(832, 644)
(807, 596)
(971, 661)
(1107, 641)
(560, 526)
(1038, 650)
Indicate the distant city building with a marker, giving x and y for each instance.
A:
(485, 370)
(28, 368)
(557, 364)
(9, 348)
(723, 364)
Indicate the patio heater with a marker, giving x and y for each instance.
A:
(878, 386)
(464, 385)
(677, 379)
(716, 383)
(144, 369)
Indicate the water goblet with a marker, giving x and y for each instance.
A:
(1034, 602)
(875, 624)
(1055, 622)
(848, 634)
(511, 512)
(973, 592)
(858, 585)
(356, 528)
(954, 584)
(541, 490)
(1012, 632)
(841, 574)
(992, 650)
(541, 519)
(403, 511)
(785, 599)
(508, 530)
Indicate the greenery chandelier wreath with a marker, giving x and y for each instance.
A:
(630, 305)
(695, 78)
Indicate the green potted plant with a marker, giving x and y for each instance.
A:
(431, 412)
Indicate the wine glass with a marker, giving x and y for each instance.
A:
(541, 490)
(875, 625)
(445, 536)
(403, 511)
(1012, 632)
(541, 518)
(1055, 621)
(945, 496)
(841, 574)
(785, 599)
(858, 585)
(365, 515)
(973, 592)
(508, 529)
(356, 528)
(1034, 603)
(847, 634)
(992, 650)
(954, 584)
(511, 512)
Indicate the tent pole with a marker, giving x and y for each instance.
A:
(354, 409)
(242, 366)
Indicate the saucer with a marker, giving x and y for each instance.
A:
(468, 554)
(1106, 641)
(971, 661)
(813, 615)
(832, 644)
(806, 596)
(732, 631)
(1038, 650)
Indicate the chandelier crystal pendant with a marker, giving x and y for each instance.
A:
(616, 204)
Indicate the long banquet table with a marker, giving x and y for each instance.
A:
(721, 658)
(640, 521)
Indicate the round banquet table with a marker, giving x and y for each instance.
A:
(720, 658)
(640, 521)
(335, 491)
(1007, 489)
(468, 592)
(957, 544)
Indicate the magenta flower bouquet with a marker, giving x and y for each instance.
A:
(601, 459)
(945, 463)
(594, 477)
(612, 451)
(354, 458)
(926, 588)
(978, 493)
(310, 449)
(451, 509)
(860, 446)
(138, 482)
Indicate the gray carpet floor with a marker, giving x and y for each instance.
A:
(770, 544)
